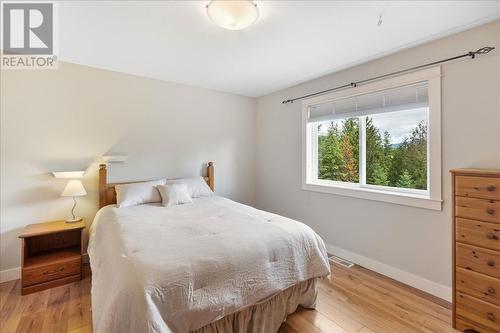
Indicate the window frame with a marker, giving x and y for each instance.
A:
(430, 198)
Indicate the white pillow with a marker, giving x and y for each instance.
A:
(174, 194)
(197, 186)
(138, 193)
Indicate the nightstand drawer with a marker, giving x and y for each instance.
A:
(51, 272)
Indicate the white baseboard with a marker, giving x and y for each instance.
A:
(10, 274)
(415, 281)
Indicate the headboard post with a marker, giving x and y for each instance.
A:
(210, 174)
(103, 180)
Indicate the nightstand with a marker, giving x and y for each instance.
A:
(51, 255)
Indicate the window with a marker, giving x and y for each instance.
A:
(381, 142)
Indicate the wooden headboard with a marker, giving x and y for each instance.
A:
(107, 193)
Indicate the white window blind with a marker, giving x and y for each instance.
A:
(390, 100)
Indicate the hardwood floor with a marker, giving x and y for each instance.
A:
(61, 309)
(354, 300)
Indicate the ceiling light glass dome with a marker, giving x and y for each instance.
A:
(233, 15)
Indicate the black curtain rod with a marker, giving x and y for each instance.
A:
(471, 54)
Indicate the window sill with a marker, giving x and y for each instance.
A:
(400, 198)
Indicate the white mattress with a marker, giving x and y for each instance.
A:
(176, 269)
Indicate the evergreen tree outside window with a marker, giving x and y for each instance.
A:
(396, 149)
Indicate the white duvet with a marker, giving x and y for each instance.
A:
(176, 269)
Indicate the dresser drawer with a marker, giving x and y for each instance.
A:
(478, 187)
(478, 209)
(51, 272)
(477, 311)
(478, 285)
(478, 260)
(478, 233)
(463, 325)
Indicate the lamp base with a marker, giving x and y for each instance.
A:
(78, 219)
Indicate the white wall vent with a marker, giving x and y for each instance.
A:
(340, 261)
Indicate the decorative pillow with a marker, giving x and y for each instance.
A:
(197, 186)
(138, 193)
(174, 194)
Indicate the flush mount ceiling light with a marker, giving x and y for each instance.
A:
(233, 15)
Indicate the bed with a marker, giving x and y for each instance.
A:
(210, 266)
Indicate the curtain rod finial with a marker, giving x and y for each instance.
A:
(484, 50)
(481, 51)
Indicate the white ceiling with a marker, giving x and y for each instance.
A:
(292, 41)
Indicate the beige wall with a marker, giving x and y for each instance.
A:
(64, 119)
(410, 244)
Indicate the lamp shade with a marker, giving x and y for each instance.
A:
(69, 174)
(74, 188)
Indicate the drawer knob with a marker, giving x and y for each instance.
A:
(470, 330)
(490, 211)
(55, 271)
(492, 236)
(491, 290)
(491, 316)
(491, 263)
(491, 188)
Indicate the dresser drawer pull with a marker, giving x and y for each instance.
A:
(491, 188)
(490, 211)
(492, 236)
(55, 271)
(491, 263)
(491, 316)
(491, 291)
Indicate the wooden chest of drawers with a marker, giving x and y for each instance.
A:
(476, 250)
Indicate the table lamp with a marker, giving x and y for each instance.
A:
(74, 188)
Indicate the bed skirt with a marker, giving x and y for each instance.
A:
(267, 315)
